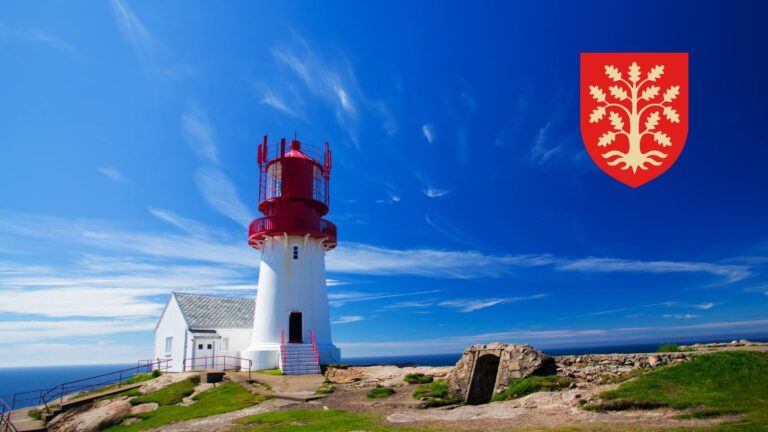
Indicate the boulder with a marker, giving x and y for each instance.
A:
(97, 417)
(515, 361)
(144, 408)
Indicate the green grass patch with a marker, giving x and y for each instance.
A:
(379, 392)
(417, 378)
(275, 372)
(129, 393)
(223, 398)
(131, 380)
(520, 387)
(35, 413)
(671, 347)
(170, 395)
(436, 394)
(325, 388)
(316, 421)
(734, 382)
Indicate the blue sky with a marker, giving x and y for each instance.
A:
(468, 209)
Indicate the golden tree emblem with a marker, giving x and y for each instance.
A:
(640, 104)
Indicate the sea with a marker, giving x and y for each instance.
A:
(21, 379)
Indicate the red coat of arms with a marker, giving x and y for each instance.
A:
(634, 112)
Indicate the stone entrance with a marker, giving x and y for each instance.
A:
(483, 379)
(492, 366)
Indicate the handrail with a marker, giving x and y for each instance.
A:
(214, 364)
(282, 349)
(314, 347)
(44, 396)
(5, 418)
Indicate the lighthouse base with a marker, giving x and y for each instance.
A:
(267, 356)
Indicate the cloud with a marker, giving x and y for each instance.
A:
(37, 36)
(346, 319)
(342, 298)
(730, 272)
(477, 304)
(704, 306)
(219, 193)
(543, 338)
(39, 354)
(435, 192)
(429, 132)
(681, 316)
(113, 174)
(470, 305)
(24, 331)
(197, 131)
(131, 27)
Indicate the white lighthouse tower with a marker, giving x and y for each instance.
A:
(291, 326)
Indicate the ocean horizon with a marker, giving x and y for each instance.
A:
(29, 378)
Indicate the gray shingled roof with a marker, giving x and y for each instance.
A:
(202, 311)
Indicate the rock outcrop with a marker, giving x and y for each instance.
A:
(91, 418)
(514, 361)
(606, 368)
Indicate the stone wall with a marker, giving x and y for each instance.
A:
(515, 361)
(604, 368)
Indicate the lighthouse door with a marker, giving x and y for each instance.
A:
(294, 328)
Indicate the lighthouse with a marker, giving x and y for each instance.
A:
(291, 325)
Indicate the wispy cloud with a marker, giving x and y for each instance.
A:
(197, 131)
(113, 174)
(346, 319)
(563, 337)
(342, 298)
(216, 188)
(681, 316)
(271, 98)
(730, 272)
(24, 331)
(429, 132)
(433, 192)
(37, 36)
(131, 27)
(219, 192)
(470, 305)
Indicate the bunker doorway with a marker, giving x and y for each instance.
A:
(483, 379)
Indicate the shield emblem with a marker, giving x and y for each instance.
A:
(634, 112)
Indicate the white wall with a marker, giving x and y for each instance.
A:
(239, 339)
(171, 324)
(286, 285)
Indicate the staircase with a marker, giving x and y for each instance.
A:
(300, 359)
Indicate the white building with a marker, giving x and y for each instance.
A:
(200, 331)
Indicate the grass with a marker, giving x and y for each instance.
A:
(379, 392)
(520, 387)
(316, 421)
(132, 380)
(275, 372)
(417, 378)
(437, 394)
(671, 347)
(734, 382)
(223, 398)
(170, 395)
(325, 388)
(35, 413)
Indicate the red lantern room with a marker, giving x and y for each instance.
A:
(293, 194)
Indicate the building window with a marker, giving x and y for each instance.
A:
(295, 252)
(209, 346)
(225, 344)
(168, 346)
(199, 346)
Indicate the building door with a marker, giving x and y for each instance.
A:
(203, 357)
(294, 328)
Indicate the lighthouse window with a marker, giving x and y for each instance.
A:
(295, 252)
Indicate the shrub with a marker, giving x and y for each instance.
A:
(436, 394)
(379, 392)
(156, 373)
(325, 388)
(519, 387)
(417, 378)
(671, 347)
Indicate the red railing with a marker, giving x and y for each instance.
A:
(282, 349)
(47, 395)
(314, 347)
(220, 362)
(5, 418)
(298, 225)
